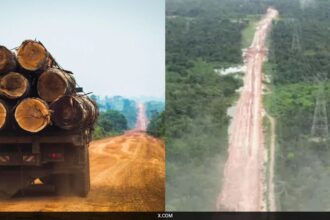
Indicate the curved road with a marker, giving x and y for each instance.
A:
(127, 174)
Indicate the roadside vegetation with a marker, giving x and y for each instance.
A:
(156, 126)
(248, 31)
(125, 106)
(302, 158)
(110, 123)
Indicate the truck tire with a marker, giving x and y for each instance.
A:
(81, 180)
(62, 184)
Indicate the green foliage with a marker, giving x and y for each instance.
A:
(298, 154)
(153, 107)
(211, 39)
(294, 66)
(156, 126)
(248, 31)
(98, 133)
(196, 133)
(302, 175)
(118, 103)
(198, 39)
(201, 92)
(130, 112)
(215, 8)
(109, 123)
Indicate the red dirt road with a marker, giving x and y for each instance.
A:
(142, 120)
(243, 185)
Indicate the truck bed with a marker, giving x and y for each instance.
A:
(22, 148)
(74, 137)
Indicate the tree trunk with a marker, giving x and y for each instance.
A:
(55, 83)
(32, 56)
(4, 114)
(14, 85)
(70, 112)
(7, 60)
(32, 114)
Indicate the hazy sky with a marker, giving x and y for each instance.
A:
(114, 47)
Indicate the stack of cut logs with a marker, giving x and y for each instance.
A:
(35, 93)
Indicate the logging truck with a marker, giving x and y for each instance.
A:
(58, 158)
(46, 123)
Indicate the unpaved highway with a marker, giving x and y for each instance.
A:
(243, 184)
(127, 174)
(142, 120)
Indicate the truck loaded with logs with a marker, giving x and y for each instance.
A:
(46, 123)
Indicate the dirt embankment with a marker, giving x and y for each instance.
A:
(127, 174)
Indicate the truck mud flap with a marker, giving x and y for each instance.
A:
(12, 183)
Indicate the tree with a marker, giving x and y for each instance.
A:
(110, 123)
(156, 126)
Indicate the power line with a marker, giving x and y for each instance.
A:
(296, 32)
(320, 128)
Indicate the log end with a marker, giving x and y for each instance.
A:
(32, 115)
(51, 85)
(13, 85)
(67, 112)
(3, 115)
(70, 112)
(7, 60)
(31, 55)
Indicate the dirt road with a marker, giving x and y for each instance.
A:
(243, 185)
(127, 174)
(142, 120)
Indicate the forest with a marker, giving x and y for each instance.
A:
(110, 123)
(199, 39)
(156, 126)
(204, 35)
(156, 115)
(299, 68)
